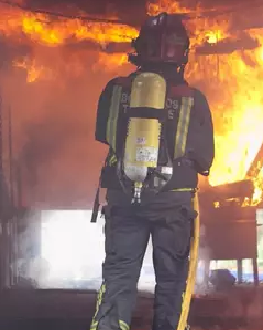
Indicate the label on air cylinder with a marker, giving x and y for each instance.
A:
(146, 154)
(140, 140)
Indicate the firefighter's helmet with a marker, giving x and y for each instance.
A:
(162, 39)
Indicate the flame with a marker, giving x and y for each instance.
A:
(207, 31)
(213, 37)
(168, 6)
(238, 118)
(42, 29)
(258, 185)
(112, 60)
(232, 81)
(33, 70)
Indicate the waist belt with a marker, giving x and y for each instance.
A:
(163, 174)
(159, 178)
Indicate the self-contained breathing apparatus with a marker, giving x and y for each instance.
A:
(145, 116)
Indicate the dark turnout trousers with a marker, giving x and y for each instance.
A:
(168, 218)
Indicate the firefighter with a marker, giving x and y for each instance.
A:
(161, 206)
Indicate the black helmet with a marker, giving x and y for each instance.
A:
(162, 39)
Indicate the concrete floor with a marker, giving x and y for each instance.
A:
(26, 309)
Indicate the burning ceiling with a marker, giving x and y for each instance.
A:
(78, 50)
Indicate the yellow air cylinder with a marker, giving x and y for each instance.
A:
(141, 148)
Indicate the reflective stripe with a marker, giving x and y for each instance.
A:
(123, 325)
(191, 278)
(112, 160)
(94, 322)
(94, 325)
(99, 298)
(185, 189)
(113, 116)
(182, 126)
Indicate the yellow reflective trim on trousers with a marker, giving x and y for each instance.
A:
(182, 127)
(94, 322)
(123, 325)
(112, 160)
(191, 278)
(99, 298)
(113, 116)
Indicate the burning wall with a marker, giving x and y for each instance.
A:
(54, 67)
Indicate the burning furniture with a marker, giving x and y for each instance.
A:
(229, 213)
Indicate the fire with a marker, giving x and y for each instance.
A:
(112, 60)
(258, 184)
(207, 31)
(234, 79)
(168, 6)
(237, 117)
(45, 30)
(214, 37)
(34, 71)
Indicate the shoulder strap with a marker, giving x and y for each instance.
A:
(182, 126)
(186, 96)
(96, 206)
(120, 85)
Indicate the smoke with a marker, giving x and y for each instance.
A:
(117, 9)
(119, 5)
(55, 249)
(54, 125)
(29, 269)
(24, 249)
(204, 258)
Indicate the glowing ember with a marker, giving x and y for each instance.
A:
(214, 37)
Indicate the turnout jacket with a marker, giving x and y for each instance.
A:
(188, 133)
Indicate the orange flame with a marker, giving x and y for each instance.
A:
(33, 71)
(110, 61)
(237, 121)
(40, 28)
(168, 6)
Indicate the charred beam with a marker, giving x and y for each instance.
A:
(227, 214)
(74, 45)
(227, 46)
(256, 165)
(239, 23)
(241, 190)
(118, 48)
